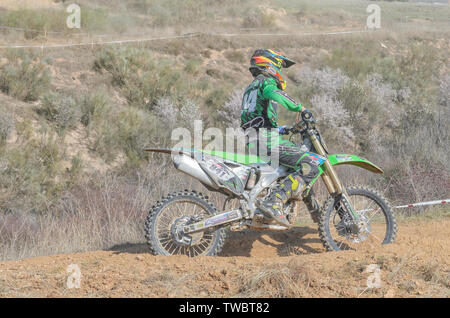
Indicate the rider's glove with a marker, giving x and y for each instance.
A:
(283, 130)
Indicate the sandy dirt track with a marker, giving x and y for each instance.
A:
(252, 264)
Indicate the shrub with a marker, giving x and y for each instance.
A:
(217, 97)
(7, 124)
(36, 21)
(350, 107)
(355, 61)
(189, 112)
(73, 174)
(136, 130)
(95, 19)
(192, 65)
(103, 138)
(235, 56)
(334, 118)
(94, 106)
(133, 130)
(230, 114)
(418, 181)
(142, 78)
(322, 88)
(444, 91)
(32, 177)
(39, 21)
(320, 81)
(165, 13)
(60, 109)
(167, 110)
(257, 18)
(25, 78)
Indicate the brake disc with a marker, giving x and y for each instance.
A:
(178, 234)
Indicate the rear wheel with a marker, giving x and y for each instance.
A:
(170, 214)
(376, 221)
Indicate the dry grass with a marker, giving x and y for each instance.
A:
(104, 212)
(289, 280)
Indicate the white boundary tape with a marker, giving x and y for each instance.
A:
(92, 43)
(5, 27)
(412, 205)
(422, 204)
(190, 35)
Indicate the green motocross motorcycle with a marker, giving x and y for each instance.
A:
(187, 223)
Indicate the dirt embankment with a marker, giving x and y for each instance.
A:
(252, 264)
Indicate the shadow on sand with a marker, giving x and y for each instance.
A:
(286, 243)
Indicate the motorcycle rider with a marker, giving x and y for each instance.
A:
(259, 111)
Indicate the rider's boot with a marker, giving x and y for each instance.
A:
(273, 207)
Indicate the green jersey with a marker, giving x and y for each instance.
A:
(258, 109)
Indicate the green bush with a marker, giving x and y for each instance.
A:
(36, 21)
(142, 77)
(235, 56)
(136, 130)
(94, 106)
(362, 111)
(126, 130)
(164, 13)
(73, 174)
(32, 178)
(60, 109)
(39, 21)
(415, 69)
(192, 65)
(7, 124)
(94, 19)
(26, 77)
(257, 18)
(217, 97)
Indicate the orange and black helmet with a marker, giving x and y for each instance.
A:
(270, 62)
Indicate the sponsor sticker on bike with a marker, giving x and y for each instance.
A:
(317, 159)
(344, 158)
(222, 218)
(222, 173)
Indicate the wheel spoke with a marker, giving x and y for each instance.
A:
(371, 234)
(371, 217)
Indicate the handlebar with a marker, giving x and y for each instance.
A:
(304, 124)
(307, 116)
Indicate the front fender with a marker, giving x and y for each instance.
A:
(344, 159)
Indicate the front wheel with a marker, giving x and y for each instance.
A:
(377, 224)
(172, 213)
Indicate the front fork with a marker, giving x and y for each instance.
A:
(332, 182)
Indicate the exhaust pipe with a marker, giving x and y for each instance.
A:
(191, 167)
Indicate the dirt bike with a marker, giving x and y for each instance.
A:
(188, 223)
